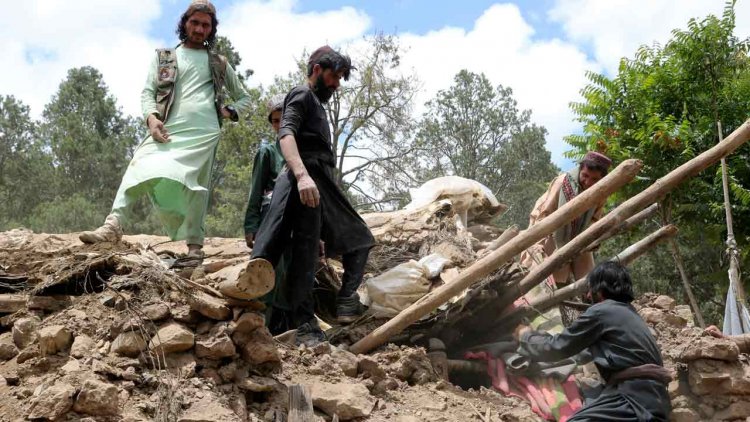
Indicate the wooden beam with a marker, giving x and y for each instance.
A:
(626, 257)
(625, 226)
(596, 194)
(10, 303)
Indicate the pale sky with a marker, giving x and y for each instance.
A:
(540, 48)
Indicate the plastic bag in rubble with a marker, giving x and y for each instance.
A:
(457, 188)
(396, 289)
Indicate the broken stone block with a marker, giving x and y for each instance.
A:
(257, 347)
(214, 347)
(183, 364)
(71, 367)
(346, 360)
(129, 343)
(656, 316)
(8, 348)
(53, 402)
(736, 410)
(684, 415)
(27, 354)
(172, 338)
(208, 409)
(185, 315)
(25, 331)
(49, 303)
(53, 339)
(665, 303)
(370, 368)
(684, 312)
(82, 345)
(249, 322)
(209, 306)
(711, 348)
(97, 398)
(347, 400)
(715, 377)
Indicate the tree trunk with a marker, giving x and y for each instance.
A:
(624, 173)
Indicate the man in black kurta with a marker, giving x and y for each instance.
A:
(308, 204)
(623, 350)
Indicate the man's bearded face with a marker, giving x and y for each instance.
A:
(326, 84)
(198, 28)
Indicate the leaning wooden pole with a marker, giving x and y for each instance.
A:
(686, 282)
(628, 208)
(626, 257)
(623, 174)
(625, 226)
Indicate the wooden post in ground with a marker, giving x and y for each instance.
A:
(624, 226)
(686, 282)
(624, 173)
(626, 257)
(628, 208)
(300, 404)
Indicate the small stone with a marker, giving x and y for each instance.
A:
(347, 400)
(370, 368)
(53, 402)
(53, 339)
(209, 306)
(183, 364)
(172, 338)
(185, 315)
(665, 303)
(25, 331)
(156, 311)
(77, 314)
(97, 398)
(249, 322)
(82, 346)
(323, 348)
(736, 410)
(108, 299)
(8, 349)
(130, 344)
(26, 355)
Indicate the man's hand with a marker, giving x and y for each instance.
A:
(520, 330)
(250, 240)
(157, 130)
(226, 113)
(713, 331)
(308, 191)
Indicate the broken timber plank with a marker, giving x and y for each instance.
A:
(618, 178)
(653, 193)
(300, 404)
(10, 303)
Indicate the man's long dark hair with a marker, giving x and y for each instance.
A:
(612, 280)
(182, 33)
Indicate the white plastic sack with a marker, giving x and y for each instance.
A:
(396, 289)
(458, 189)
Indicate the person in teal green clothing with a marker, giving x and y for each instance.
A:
(267, 165)
(183, 105)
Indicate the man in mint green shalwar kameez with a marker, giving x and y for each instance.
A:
(182, 104)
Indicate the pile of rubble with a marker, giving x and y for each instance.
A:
(711, 376)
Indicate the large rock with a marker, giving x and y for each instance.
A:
(215, 346)
(208, 409)
(738, 410)
(655, 316)
(155, 311)
(98, 398)
(129, 343)
(249, 322)
(665, 303)
(53, 402)
(711, 348)
(346, 360)
(209, 306)
(82, 346)
(172, 338)
(715, 377)
(347, 400)
(25, 331)
(8, 349)
(53, 339)
(257, 347)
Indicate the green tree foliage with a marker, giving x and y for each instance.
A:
(662, 108)
(475, 130)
